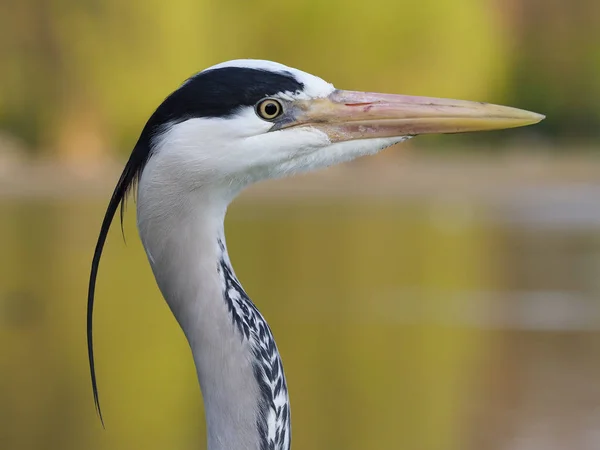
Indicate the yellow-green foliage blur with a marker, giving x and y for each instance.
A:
(82, 76)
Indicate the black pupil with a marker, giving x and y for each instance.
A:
(271, 109)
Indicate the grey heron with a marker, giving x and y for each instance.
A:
(223, 129)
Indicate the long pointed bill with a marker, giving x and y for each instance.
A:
(349, 115)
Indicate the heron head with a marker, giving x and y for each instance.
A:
(246, 120)
(242, 121)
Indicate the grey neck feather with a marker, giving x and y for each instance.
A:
(239, 368)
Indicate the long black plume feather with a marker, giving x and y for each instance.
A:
(126, 182)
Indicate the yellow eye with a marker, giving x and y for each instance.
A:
(269, 109)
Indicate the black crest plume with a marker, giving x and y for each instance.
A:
(126, 182)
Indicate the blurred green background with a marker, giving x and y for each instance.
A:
(443, 295)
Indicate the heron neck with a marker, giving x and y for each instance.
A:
(239, 368)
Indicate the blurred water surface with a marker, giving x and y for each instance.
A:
(405, 323)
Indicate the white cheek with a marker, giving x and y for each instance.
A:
(207, 147)
(244, 124)
(239, 149)
(269, 155)
(202, 132)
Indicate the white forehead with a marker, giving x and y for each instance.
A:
(314, 86)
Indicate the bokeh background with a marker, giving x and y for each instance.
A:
(442, 295)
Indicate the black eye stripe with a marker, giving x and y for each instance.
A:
(220, 92)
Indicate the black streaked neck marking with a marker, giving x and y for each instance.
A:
(274, 421)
